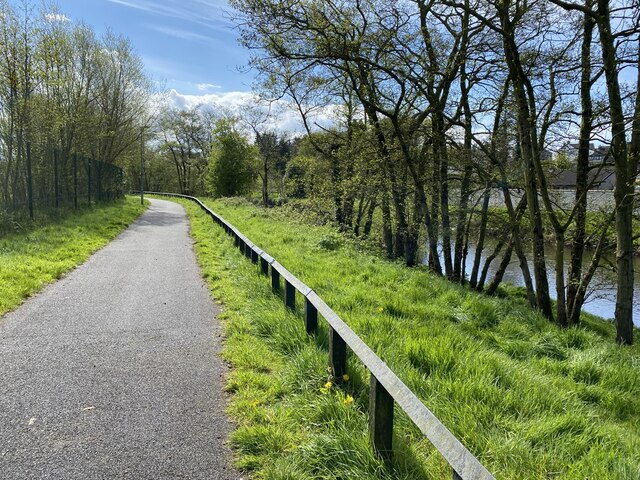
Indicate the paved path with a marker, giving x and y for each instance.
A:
(112, 372)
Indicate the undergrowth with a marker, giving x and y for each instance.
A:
(37, 254)
(530, 400)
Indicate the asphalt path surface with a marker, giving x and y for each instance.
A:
(113, 371)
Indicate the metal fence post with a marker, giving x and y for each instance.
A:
(455, 475)
(381, 419)
(337, 354)
(29, 181)
(99, 180)
(56, 186)
(89, 181)
(75, 181)
(254, 256)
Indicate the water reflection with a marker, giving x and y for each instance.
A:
(602, 296)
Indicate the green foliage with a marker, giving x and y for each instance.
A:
(63, 87)
(36, 255)
(331, 241)
(232, 166)
(532, 401)
(305, 177)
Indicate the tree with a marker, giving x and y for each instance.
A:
(620, 47)
(463, 96)
(63, 89)
(186, 140)
(232, 164)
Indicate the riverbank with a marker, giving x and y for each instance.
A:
(529, 399)
(499, 218)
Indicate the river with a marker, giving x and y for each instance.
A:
(602, 297)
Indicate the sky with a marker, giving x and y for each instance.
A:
(190, 50)
(189, 46)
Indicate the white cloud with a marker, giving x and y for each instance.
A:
(56, 17)
(137, 5)
(210, 14)
(179, 33)
(204, 87)
(283, 115)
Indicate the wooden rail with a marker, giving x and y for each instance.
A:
(386, 388)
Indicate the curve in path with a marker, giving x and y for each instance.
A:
(113, 371)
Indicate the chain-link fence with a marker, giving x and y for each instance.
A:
(47, 178)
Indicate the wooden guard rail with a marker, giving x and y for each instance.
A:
(386, 387)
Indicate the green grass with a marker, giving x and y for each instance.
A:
(36, 255)
(530, 400)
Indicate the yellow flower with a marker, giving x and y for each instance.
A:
(345, 377)
(348, 400)
(381, 309)
(328, 385)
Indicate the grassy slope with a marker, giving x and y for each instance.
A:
(41, 254)
(532, 401)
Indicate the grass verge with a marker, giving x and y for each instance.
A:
(39, 254)
(530, 400)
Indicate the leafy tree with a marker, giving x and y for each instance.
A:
(63, 88)
(186, 141)
(233, 161)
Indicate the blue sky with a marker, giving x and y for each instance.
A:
(189, 46)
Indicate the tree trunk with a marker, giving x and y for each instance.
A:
(458, 268)
(497, 278)
(387, 230)
(265, 182)
(625, 176)
(487, 263)
(440, 152)
(561, 307)
(574, 301)
(369, 222)
(477, 259)
(361, 209)
(527, 140)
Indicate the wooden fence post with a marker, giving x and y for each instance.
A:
(337, 354)
(289, 295)
(254, 256)
(275, 280)
(381, 419)
(264, 266)
(310, 317)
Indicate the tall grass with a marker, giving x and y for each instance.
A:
(37, 254)
(532, 401)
